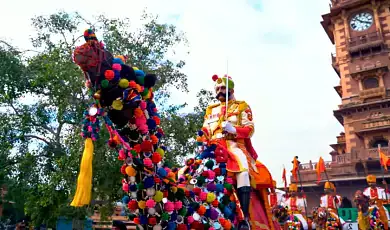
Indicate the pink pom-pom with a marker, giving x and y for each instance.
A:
(168, 170)
(148, 162)
(142, 105)
(211, 175)
(117, 66)
(94, 138)
(229, 180)
(190, 219)
(150, 203)
(139, 121)
(169, 206)
(125, 187)
(143, 128)
(122, 154)
(89, 128)
(203, 196)
(211, 228)
(178, 205)
(215, 77)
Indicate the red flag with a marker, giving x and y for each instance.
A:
(284, 177)
(320, 168)
(294, 171)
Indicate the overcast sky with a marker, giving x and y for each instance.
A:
(279, 59)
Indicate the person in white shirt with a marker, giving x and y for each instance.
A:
(331, 201)
(377, 195)
(296, 205)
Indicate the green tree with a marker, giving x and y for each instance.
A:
(42, 99)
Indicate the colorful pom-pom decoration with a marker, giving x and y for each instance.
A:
(157, 195)
(214, 77)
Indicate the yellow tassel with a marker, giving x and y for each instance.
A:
(84, 181)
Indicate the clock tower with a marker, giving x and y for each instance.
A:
(360, 31)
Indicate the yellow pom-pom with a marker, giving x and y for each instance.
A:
(158, 196)
(130, 171)
(117, 105)
(123, 83)
(135, 68)
(141, 204)
(161, 152)
(174, 189)
(210, 197)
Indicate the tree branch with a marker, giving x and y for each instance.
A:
(47, 128)
(36, 137)
(59, 129)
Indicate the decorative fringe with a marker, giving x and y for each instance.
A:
(363, 221)
(84, 181)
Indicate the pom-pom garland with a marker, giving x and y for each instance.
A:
(123, 97)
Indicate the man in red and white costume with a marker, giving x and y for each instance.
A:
(377, 196)
(296, 205)
(331, 201)
(230, 124)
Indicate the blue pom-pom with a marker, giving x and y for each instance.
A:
(192, 194)
(174, 216)
(207, 214)
(133, 187)
(139, 73)
(158, 135)
(190, 211)
(117, 61)
(212, 147)
(143, 219)
(206, 154)
(171, 225)
(232, 206)
(222, 165)
(148, 182)
(161, 172)
(125, 199)
(200, 133)
(219, 188)
(223, 171)
(163, 147)
(227, 212)
(151, 124)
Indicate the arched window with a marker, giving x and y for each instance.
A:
(383, 142)
(370, 82)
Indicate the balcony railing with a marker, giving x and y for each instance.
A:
(374, 153)
(313, 165)
(365, 41)
(376, 123)
(370, 93)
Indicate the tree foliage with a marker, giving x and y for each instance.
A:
(42, 98)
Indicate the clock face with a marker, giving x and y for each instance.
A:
(361, 21)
